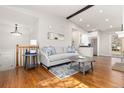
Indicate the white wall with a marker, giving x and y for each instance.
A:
(58, 25)
(36, 27)
(8, 44)
(104, 44)
(8, 19)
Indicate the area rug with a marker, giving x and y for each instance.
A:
(118, 67)
(63, 71)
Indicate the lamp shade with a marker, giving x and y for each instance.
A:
(16, 33)
(33, 42)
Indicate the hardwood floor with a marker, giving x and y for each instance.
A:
(40, 77)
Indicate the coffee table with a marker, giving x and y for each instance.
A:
(82, 60)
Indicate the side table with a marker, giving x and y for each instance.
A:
(32, 62)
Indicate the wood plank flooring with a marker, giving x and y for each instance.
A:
(102, 77)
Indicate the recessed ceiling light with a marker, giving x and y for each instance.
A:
(101, 11)
(88, 25)
(106, 19)
(50, 27)
(111, 26)
(80, 19)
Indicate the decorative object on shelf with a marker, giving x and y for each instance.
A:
(55, 36)
(16, 32)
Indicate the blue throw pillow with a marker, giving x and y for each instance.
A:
(71, 49)
(47, 50)
(52, 50)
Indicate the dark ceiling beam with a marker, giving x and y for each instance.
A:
(79, 11)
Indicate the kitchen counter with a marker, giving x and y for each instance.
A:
(86, 51)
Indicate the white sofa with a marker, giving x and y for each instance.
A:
(60, 57)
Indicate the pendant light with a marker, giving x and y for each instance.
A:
(16, 32)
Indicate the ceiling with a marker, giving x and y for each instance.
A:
(60, 10)
(98, 17)
(10, 17)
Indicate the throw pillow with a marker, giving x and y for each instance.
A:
(52, 50)
(71, 49)
(47, 51)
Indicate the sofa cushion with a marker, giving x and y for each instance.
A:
(47, 51)
(62, 56)
(59, 50)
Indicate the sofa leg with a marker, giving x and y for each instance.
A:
(48, 68)
(40, 63)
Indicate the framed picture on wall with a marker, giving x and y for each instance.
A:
(55, 36)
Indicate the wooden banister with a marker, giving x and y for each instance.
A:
(17, 46)
(20, 50)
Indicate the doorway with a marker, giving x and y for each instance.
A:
(116, 45)
(94, 45)
(75, 38)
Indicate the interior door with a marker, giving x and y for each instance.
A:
(94, 45)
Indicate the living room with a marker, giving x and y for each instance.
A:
(63, 32)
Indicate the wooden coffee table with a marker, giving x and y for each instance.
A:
(83, 61)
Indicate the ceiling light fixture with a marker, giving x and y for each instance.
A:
(80, 19)
(50, 27)
(111, 26)
(16, 33)
(88, 25)
(106, 19)
(94, 29)
(100, 11)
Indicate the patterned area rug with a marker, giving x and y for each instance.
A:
(63, 71)
(118, 67)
